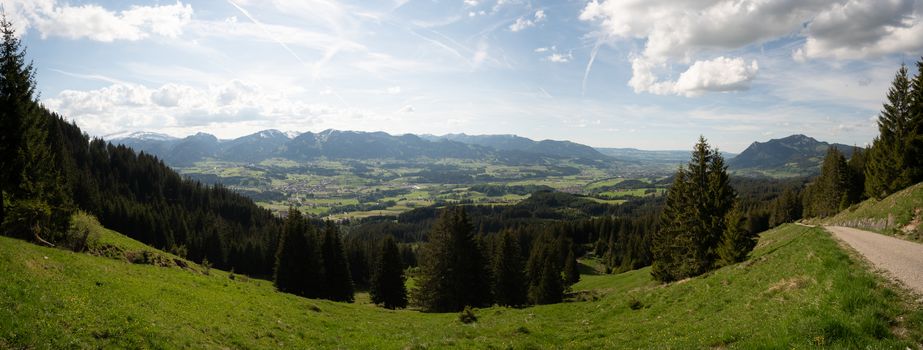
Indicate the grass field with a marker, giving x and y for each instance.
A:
(799, 290)
(900, 214)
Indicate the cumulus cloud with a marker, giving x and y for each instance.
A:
(560, 58)
(720, 74)
(860, 29)
(94, 22)
(125, 106)
(686, 32)
(523, 22)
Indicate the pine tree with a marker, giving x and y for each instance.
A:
(887, 170)
(736, 242)
(855, 193)
(693, 218)
(785, 208)
(290, 270)
(29, 182)
(299, 268)
(509, 287)
(452, 270)
(387, 285)
(913, 157)
(571, 269)
(828, 194)
(549, 286)
(336, 268)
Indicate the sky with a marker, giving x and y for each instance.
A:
(648, 74)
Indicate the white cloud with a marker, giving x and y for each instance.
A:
(860, 29)
(560, 58)
(719, 74)
(472, 2)
(120, 107)
(541, 49)
(523, 22)
(683, 32)
(716, 75)
(97, 23)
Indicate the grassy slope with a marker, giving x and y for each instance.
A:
(889, 216)
(798, 290)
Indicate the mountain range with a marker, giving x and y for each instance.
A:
(336, 144)
(795, 155)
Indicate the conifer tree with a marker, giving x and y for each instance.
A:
(693, 219)
(548, 287)
(387, 285)
(336, 268)
(509, 286)
(290, 269)
(736, 241)
(452, 270)
(828, 194)
(34, 189)
(571, 269)
(299, 269)
(785, 208)
(887, 169)
(913, 157)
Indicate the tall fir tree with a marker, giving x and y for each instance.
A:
(509, 286)
(913, 156)
(736, 241)
(828, 193)
(387, 285)
(693, 219)
(299, 267)
(887, 168)
(571, 269)
(336, 267)
(39, 206)
(452, 270)
(785, 208)
(290, 269)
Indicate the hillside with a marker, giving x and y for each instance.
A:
(899, 214)
(336, 144)
(796, 155)
(798, 290)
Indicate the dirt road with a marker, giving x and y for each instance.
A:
(902, 259)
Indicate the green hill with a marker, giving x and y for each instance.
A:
(798, 290)
(900, 214)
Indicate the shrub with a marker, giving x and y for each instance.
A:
(467, 315)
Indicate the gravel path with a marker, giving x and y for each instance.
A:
(902, 259)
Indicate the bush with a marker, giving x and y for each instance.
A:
(467, 315)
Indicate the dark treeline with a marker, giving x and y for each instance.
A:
(893, 162)
(51, 168)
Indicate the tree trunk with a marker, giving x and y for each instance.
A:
(35, 230)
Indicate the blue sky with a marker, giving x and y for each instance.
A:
(649, 74)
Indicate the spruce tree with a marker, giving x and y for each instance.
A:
(828, 194)
(913, 156)
(290, 269)
(387, 285)
(549, 286)
(736, 241)
(39, 206)
(887, 169)
(452, 270)
(571, 269)
(509, 286)
(336, 268)
(693, 218)
(314, 280)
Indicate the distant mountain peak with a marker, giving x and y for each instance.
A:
(139, 135)
(794, 154)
